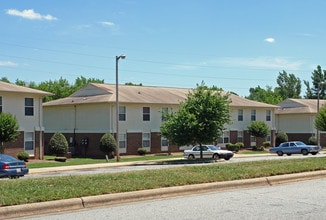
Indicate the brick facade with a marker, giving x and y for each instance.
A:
(13, 148)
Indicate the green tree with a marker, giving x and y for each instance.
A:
(320, 121)
(258, 129)
(5, 79)
(281, 137)
(318, 76)
(289, 86)
(82, 81)
(8, 129)
(108, 144)
(200, 118)
(58, 144)
(267, 96)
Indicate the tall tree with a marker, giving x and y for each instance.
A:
(289, 86)
(200, 118)
(318, 77)
(267, 96)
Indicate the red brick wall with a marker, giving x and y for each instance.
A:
(13, 148)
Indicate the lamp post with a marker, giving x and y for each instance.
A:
(318, 97)
(117, 58)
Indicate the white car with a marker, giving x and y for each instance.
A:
(209, 151)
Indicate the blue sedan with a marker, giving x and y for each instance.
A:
(295, 147)
(12, 167)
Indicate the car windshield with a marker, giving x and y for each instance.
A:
(212, 147)
(299, 143)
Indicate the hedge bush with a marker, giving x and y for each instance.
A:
(58, 144)
(23, 156)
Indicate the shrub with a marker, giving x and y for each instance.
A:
(141, 151)
(108, 144)
(58, 144)
(281, 137)
(256, 148)
(267, 144)
(233, 147)
(240, 145)
(23, 156)
(312, 140)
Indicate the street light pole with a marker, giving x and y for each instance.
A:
(122, 56)
(318, 97)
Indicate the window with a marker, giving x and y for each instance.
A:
(240, 115)
(122, 113)
(225, 138)
(146, 139)
(268, 115)
(0, 104)
(29, 141)
(146, 113)
(253, 115)
(164, 142)
(164, 113)
(122, 140)
(252, 139)
(29, 106)
(268, 138)
(240, 136)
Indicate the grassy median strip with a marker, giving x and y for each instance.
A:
(21, 191)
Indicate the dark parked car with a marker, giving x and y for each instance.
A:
(295, 147)
(12, 167)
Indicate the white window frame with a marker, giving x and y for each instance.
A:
(122, 141)
(268, 115)
(29, 142)
(147, 115)
(240, 136)
(28, 107)
(253, 115)
(146, 140)
(240, 114)
(122, 113)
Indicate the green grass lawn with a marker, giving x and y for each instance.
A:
(22, 191)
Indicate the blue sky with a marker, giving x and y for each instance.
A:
(232, 44)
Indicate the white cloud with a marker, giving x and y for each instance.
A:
(107, 23)
(30, 14)
(269, 40)
(7, 63)
(278, 63)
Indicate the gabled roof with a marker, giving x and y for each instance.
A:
(299, 106)
(8, 87)
(99, 93)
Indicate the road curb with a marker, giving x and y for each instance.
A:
(118, 198)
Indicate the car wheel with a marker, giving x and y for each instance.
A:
(314, 153)
(191, 157)
(215, 156)
(304, 152)
(227, 158)
(288, 154)
(279, 153)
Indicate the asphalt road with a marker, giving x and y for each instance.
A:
(116, 169)
(299, 200)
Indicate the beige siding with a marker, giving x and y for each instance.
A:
(93, 118)
(296, 123)
(260, 116)
(14, 103)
